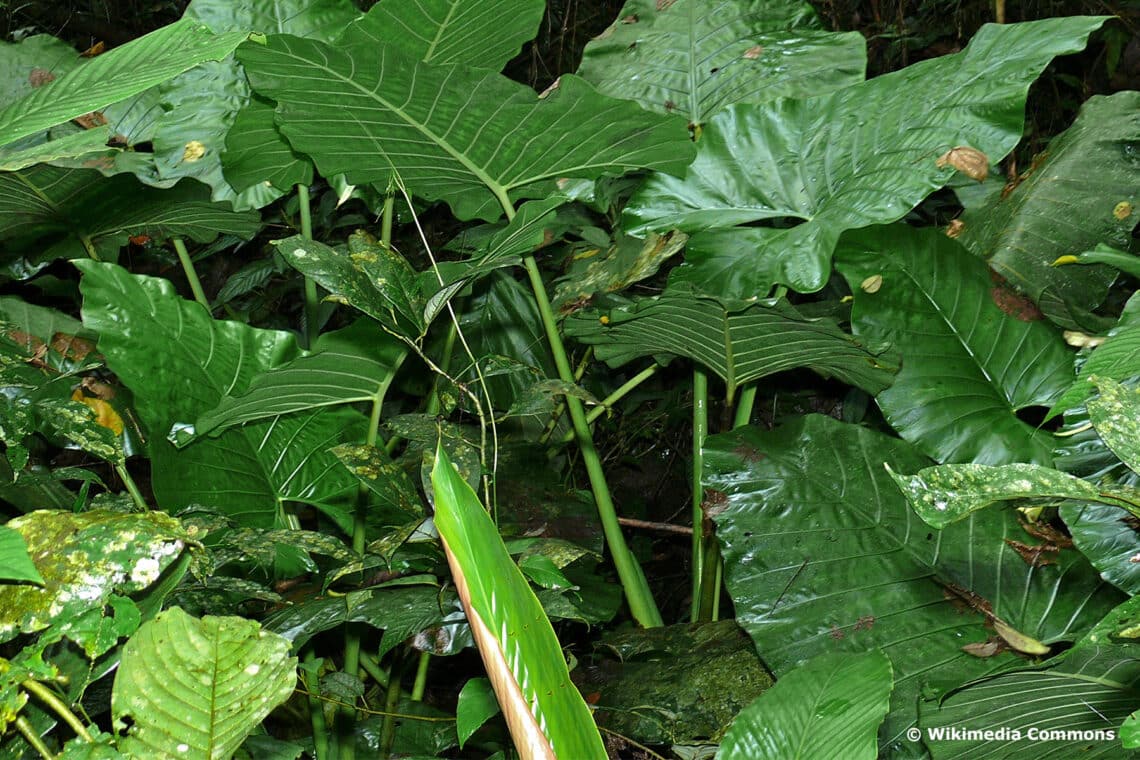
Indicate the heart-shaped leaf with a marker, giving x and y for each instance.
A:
(180, 363)
(823, 554)
(969, 364)
(229, 675)
(863, 155)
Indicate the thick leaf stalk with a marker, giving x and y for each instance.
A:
(637, 593)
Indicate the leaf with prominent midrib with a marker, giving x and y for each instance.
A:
(968, 363)
(353, 364)
(740, 345)
(823, 554)
(469, 137)
(863, 155)
(180, 363)
(475, 33)
(695, 58)
(197, 687)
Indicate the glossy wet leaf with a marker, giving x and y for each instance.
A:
(1115, 413)
(127, 70)
(255, 151)
(1104, 535)
(947, 493)
(1065, 205)
(696, 58)
(472, 33)
(53, 208)
(180, 363)
(836, 161)
(193, 687)
(84, 559)
(356, 363)
(546, 714)
(739, 344)
(1090, 688)
(968, 364)
(830, 706)
(15, 564)
(434, 125)
(822, 553)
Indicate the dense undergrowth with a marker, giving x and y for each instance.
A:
(739, 346)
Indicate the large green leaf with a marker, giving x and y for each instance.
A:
(200, 107)
(740, 345)
(356, 363)
(180, 363)
(829, 707)
(1089, 691)
(15, 564)
(863, 155)
(968, 364)
(1069, 202)
(1115, 413)
(124, 71)
(524, 660)
(696, 58)
(469, 137)
(47, 211)
(475, 33)
(198, 688)
(257, 152)
(823, 554)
